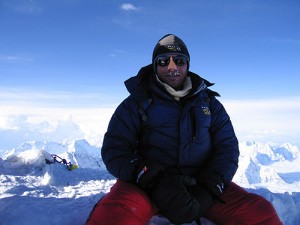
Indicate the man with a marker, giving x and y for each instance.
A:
(172, 147)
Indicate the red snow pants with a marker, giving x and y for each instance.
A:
(126, 204)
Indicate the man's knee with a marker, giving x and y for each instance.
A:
(243, 207)
(124, 204)
(264, 210)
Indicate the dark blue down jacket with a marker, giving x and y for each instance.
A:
(194, 134)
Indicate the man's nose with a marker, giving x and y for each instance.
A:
(172, 64)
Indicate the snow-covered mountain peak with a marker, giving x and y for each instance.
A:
(288, 151)
(261, 164)
(51, 147)
(78, 152)
(82, 146)
(266, 154)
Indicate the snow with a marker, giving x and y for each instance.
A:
(35, 192)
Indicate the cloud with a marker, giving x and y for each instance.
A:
(284, 40)
(117, 53)
(19, 124)
(45, 98)
(48, 116)
(51, 116)
(17, 129)
(275, 120)
(24, 6)
(129, 7)
(8, 58)
(15, 59)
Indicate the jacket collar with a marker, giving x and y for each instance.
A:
(141, 85)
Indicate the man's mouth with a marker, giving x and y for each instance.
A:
(173, 74)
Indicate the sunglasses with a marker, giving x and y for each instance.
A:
(165, 60)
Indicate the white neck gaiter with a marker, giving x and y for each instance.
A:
(187, 86)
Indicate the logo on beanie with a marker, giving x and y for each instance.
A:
(174, 48)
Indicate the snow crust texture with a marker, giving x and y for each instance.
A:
(35, 192)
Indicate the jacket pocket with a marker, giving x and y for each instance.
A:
(200, 119)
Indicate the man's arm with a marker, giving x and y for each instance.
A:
(120, 141)
(224, 159)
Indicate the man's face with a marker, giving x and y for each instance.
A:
(172, 70)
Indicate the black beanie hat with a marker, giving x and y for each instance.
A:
(168, 44)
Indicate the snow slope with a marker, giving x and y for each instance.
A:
(34, 192)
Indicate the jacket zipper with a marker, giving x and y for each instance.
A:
(193, 122)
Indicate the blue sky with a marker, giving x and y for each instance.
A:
(77, 53)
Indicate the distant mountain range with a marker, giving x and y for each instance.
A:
(260, 165)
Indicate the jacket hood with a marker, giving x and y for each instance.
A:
(140, 85)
